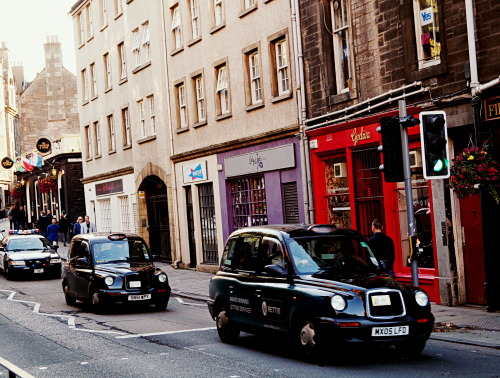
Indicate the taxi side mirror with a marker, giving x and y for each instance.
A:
(83, 261)
(275, 270)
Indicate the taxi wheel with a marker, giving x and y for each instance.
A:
(96, 302)
(70, 301)
(411, 349)
(228, 333)
(161, 305)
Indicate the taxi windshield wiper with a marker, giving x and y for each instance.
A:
(115, 261)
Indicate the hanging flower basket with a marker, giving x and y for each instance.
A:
(47, 185)
(17, 192)
(472, 168)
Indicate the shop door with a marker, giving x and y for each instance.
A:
(471, 218)
(190, 220)
(208, 223)
(368, 189)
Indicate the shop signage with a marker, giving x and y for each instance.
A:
(362, 134)
(74, 160)
(492, 108)
(194, 172)
(43, 145)
(271, 159)
(109, 187)
(7, 163)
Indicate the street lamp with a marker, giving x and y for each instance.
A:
(54, 171)
(22, 181)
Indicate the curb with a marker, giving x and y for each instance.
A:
(456, 340)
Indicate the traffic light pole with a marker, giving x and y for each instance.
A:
(410, 217)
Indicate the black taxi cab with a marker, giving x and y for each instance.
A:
(319, 285)
(103, 269)
(27, 253)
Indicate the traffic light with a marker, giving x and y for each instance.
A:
(434, 138)
(391, 149)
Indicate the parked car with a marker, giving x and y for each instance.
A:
(317, 284)
(103, 269)
(25, 252)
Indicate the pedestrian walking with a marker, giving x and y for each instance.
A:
(53, 232)
(11, 219)
(15, 213)
(382, 247)
(77, 227)
(43, 222)
(22, 218)
(88, 226)
(64, 227)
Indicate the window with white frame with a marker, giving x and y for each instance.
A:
(195, 19)
(136, 47)
(81, 28)
(282, 69)
(181, 105)
(222, 90)
(88, 142)
(341, 24)
(118, 7)
(107, 67)
(146, 45)
(97, 136)
(127, 135)
(125, 214)
(90, 22)
(85, 86)
(93, 81)
(105, 212)
(152, 116)
(218, 12)
(142, 121)
(111, 133)
(104, 13)
(122, 61)
(200, 99)
(427, 34)
(254, 77)
(249, 3)
(176, 27)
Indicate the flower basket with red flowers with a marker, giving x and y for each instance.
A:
(472, 168)
(47, 185)
(17, 192)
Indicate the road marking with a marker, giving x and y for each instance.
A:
(181, 301)
(165, 333)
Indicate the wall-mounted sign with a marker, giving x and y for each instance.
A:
(141, 194)
(43, 145)
(492, 108)
(74, 160)
(194, 172)
(7, 163)
(362, 134)
(271, 159)
(109, 187)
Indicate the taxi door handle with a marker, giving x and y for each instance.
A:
(257, 293)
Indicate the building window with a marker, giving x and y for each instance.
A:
(81, 28)
(249, 3)
(176, 27)
(90, 26)
(282, 69)
(152, 117)
(142, 121)
(222, 90)
(195, 19)
(341, 44)
(208, 223)
(105, 212)
(104, 13)
(122, 60)
(93, 80)
(118, 7)
(337, 192)
(146, 45)
(107, 67)
(136, 47)
(125, 214)
(248, 202)
(97, 138)
(253, 62)
(427, 32)
(200, 99)
(85, 86)
(111, 133)
(181, 105)
(127, 136)
(88, 142)
(218, 12)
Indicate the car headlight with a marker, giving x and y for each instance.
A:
(162, 277)
(17, 262)
(338, 303)
(109, 280)
(421, 298)
(55, 261)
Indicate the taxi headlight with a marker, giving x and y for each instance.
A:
(109, 280)
(338, 303)
(17, 262)
(162, 277)
(421, 298)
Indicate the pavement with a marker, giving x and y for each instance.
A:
(466, 324)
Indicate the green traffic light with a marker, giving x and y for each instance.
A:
(439, 165)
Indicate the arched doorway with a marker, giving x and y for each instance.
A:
(158, 218)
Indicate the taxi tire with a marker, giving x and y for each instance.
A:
(227, 332)
(70, 301)
(161, 305)
(411, 349)
(97, 305)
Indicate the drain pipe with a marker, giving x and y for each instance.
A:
(471, 41)
(302, 115)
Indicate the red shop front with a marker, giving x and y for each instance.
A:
(349, 191)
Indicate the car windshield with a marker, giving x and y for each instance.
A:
(120, 250)
(28, 244)
(331, 254)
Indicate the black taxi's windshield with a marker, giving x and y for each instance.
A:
(28, 244)
(120, 251)
(331, 254)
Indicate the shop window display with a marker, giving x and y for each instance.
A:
(337, 192)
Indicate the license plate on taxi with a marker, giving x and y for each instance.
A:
(390, 331)
(38, 270)
(139, 297)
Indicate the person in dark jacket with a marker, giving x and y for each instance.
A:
(64, 227)
(43, 222)
(382, 247)
(53, 232)
(77, 227)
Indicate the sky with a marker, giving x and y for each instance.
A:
(24, 26)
